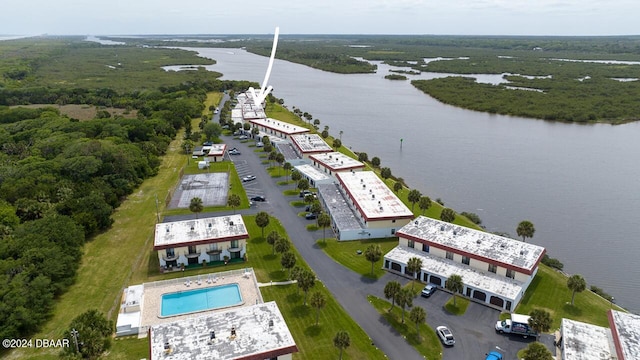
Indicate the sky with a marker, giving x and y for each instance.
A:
(437, 17)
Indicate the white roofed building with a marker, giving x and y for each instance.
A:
(334, 162)
(495, 270)
(195, 241)
(216, 152)
(309, 144)
(281, 129)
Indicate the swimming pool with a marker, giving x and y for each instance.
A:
(184, 302)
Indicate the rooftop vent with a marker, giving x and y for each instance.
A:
(454, 232)
(212, 335)
(167, 229)
(361, 180)
(233, 331)
(503, 245)
(364, 186)
(521, 252)
(378, 202)
(442, 228)
(230, 223)
(373, 196)
(191, 227)
(270, 323)
(478, 241)
(210, 225)
(416, 222)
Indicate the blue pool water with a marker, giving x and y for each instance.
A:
(210, 298)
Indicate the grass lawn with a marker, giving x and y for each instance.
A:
(459, 308)
(213, 99)
(345, 253)
(428, 345)
(549, 291)
(316, 342)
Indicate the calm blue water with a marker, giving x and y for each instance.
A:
(185, 302)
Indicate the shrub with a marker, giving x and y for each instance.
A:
(551, 262)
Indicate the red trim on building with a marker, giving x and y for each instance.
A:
(473, 256)
(201, 242)
(310, 151)
(362, 213)
(279, 130)
(336, 169)
(270, 354)
(615, 335)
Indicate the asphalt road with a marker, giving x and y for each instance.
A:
(474, 331)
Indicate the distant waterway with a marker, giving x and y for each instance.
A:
(579, 184)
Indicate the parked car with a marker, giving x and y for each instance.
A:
(207, 143)
(445, 335)
(428, 290)
(248, 178)
(310, 216)
(243, 137)
(234, 152)
(493, 355)
(304, 193)
(258, 198)
(259, 144)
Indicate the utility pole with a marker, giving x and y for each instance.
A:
(74, 334)
(157, 211)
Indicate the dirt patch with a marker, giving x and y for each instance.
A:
(85, 112)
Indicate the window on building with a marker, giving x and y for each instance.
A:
(466, 260)
(234, 243)
(410, 243)
(449, 255)
(511, 274)
(493, 268)
(171, 252)
(425, 248)
(393, 231)
(393, 221)
(192, 249)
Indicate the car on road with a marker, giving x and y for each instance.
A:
(493, 355)
(428, 290)
(234, 152)
(258, 198)
(445, 335)
(248, 178)
(310, 216)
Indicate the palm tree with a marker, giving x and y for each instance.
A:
(391, 290)
(540, 320)
(397, 186)
(525, 229)
(306, 280)
(455, 285)
(287, 167)
(233, 201)
(318, 301)
(288, 261)
(424, 204)
(418, 316)
(296, 176)
(576, 283)
(282, 245)
(324, 220)
(373, 253)
(272, 238)
(341, 341)
(280, 159)
(414, 265)
(404, 298)
(413, 197)
(385, 172)
(196, 206)
(262, 220)
(537, 351)
(447, 215)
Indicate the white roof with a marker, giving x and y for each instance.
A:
(207, 230)
(498, 285)
(482, 244)
(260, 329)
(372, 196)
(582, 341)
(280, 126)
(336, 161)
(627, 329)
(217, 149)
(312, 173)
(310, 143)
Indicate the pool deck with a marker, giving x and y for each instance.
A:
(153, 292)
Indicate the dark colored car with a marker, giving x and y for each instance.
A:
(310, 216)
(258, 198)
(428, 290)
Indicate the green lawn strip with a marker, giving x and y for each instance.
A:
(316, 342)
(290, 192)
(285, 182)
(275, 171)
(345, 253)
(213, 99)
(549, 291)
(429, 345)
(459, 308)
(128, 348)
(312, 227)
(415, 286)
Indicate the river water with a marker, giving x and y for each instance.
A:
(578, 184)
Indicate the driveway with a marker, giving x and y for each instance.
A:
(474, 331)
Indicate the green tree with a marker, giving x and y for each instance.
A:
(188, 146)
(282, 245)
(424, 204)
(447, 215)
(272, 238)
(414, 265)
(296, 176)
(288, 261)
(92, 331)
(375, 161)
(337, 143)
(287, 168)
(196, 206)
(525, 229)
(397, 186)
(212, 130)
(413, 197)
(341, 341)
(455, 285)
(418, 316)
(318, 301)
(537, 351)
(324, 134)
(540, 320)
(303, 184)
(316, 123)
(295, 275)
(363, 157)
(306, 280)
(324, 221)
(272, 157)
(404, 298)
(315, 206)
(373, 254)
(247, 127)
(234, 201)
(385, 172)
(576, 283)
(262, 220)
(391, 290)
